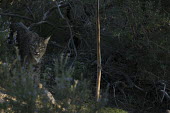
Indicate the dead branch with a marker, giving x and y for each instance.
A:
(99, 68)
(53, 9)
(71, 41)
(41, 22)
(47, 94)
(165, 94)
(16, 15)
(131, 84)
(29, 10)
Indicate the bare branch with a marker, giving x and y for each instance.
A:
(53, 9)
(41, 22)
(99, 67)
(165, 94)
(16, 15)
(29, 10)
(71, 41)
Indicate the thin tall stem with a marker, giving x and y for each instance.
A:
(98, 54)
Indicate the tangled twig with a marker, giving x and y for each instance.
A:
(71, 41)
(16, 15)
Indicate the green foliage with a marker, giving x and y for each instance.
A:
(135, 45)
(3, 39)
(139, 38)
(111, 110)
(23, 95)
(71, 94)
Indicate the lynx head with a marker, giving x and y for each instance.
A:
(38, 48)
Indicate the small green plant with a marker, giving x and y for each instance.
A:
(72, 94)
(111, 110)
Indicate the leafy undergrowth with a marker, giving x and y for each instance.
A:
(19, 92)
(135, 47)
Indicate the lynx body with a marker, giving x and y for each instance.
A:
(31, 46)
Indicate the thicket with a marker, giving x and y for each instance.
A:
(135, 46)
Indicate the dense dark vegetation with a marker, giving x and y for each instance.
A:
(135, 42)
